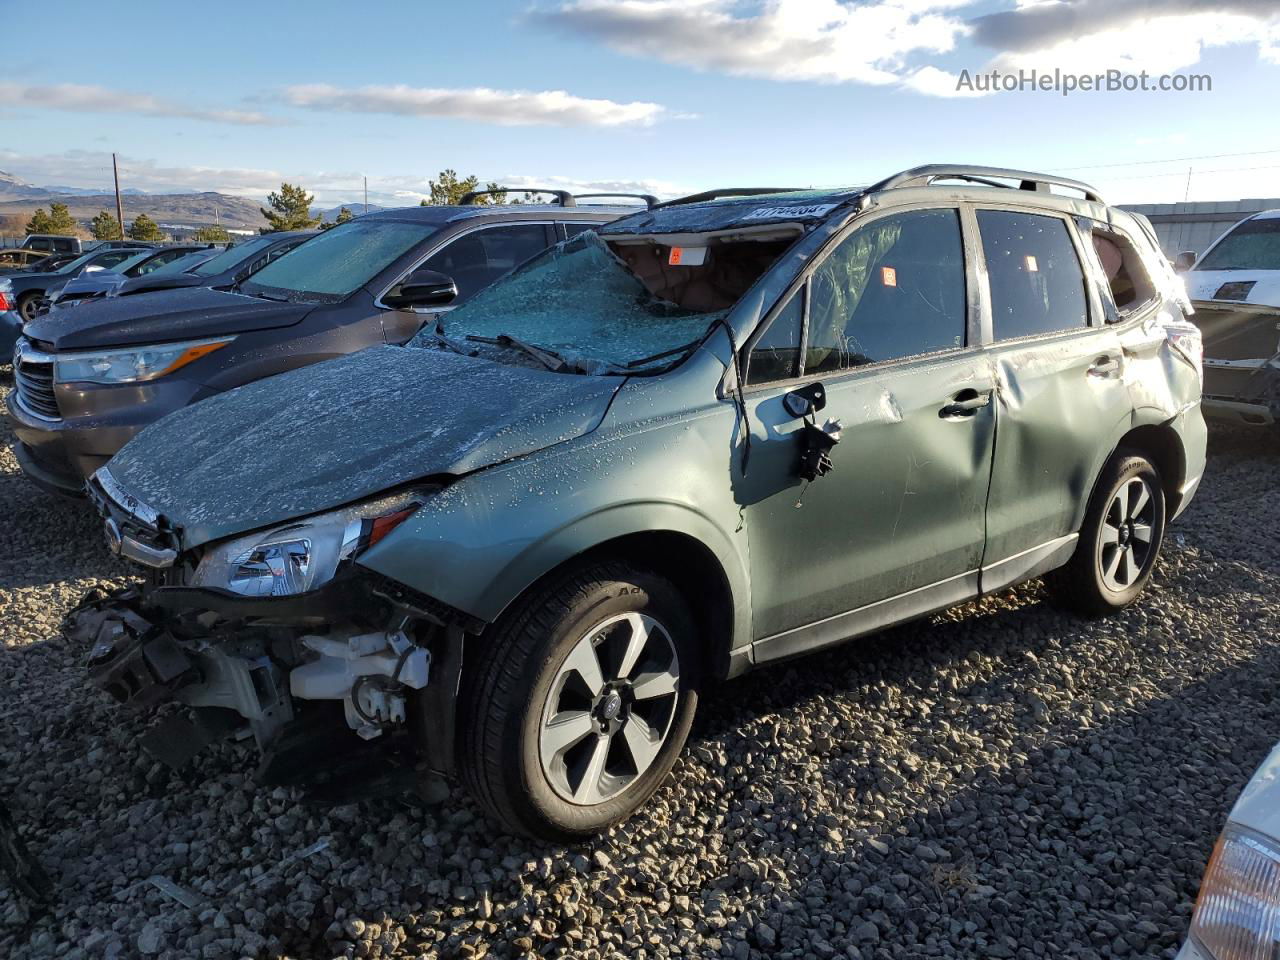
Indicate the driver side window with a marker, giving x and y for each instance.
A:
(894, 288)
(474, 260)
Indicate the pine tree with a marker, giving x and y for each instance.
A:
(448, 190)
(145, 229)
(212, 235)
(58, 221)
(343, 216)
(290, 210)
(105, 227)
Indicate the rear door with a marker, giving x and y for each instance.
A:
(1060, 387)
(884, 324)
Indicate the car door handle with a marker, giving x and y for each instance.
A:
(1104, 366)
(965, 404)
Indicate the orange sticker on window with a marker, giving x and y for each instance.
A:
(1033, 265)
(889, 276)
(676, 254)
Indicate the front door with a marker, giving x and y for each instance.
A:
(884, 324)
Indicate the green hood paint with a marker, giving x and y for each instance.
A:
(326, 435)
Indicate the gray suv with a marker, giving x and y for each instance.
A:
(89, 379)
(709, 436)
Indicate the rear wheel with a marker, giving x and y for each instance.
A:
(578, 704)
(1119, 542)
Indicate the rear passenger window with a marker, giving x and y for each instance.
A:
(894, 288)
(476, 259)
(1128, 285)
(776, 353)
(1037, 286)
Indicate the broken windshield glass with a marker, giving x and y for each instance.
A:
(582, 302)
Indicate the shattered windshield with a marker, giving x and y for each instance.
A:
(577, 303)
(332, 266)
(1254, 245)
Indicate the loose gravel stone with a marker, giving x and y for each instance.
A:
(1003, 780)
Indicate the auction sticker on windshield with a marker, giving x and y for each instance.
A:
(801, 212)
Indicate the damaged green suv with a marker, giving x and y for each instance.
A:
(721, 432)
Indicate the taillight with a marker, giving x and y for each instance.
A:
(4, 301)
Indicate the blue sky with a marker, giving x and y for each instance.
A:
(665, 95)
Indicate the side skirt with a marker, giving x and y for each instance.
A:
(916, 603)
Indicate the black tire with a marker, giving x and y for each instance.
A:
(27, 307)
(508, 682)
(1083, 585)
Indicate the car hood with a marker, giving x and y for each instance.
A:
(326, 435)
(165, 315)
(1243, 286)
(168, 281)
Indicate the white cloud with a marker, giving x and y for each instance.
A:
(938, 83)
(817, 40)
(84, 98)
(502, 107)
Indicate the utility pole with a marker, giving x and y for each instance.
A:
(366, 194)
(115, 172)
(1187, 196)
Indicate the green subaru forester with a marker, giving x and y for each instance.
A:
(724, 431)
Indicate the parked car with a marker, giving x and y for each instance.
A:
(46, 263)
(1235, 287)
(103, 283)
(52, 243)
(1238, 911)
(89, 379)
(23, 291)
(11, 260)
(229, 267)
(716, 434)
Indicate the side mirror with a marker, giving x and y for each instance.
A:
(1185, 261)
(423, 288)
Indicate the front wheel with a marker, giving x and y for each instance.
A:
(1119, 541)
(575, 708)
(27, 307)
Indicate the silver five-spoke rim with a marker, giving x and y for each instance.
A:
(610, 708)
(1127, 529)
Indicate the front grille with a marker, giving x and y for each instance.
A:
(33, 375)
(1226, 383)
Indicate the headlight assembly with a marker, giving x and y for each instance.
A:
(1238, 913)
(302, 556)
(133, 365)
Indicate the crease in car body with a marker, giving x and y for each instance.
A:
(318, 546)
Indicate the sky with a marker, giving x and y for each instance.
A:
(658, 96)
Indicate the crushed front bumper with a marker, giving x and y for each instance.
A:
(265, 668)
(1241, 362)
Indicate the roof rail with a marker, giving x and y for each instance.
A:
(649, 199)
(564, 197)
(1038, 182)
(730, 192)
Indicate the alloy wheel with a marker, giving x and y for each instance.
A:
(610, 709)
(1124, 543)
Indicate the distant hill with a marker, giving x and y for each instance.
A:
(179, 209)
(13, 188)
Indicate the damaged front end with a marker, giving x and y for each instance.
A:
(1241, 361)
(272, 633)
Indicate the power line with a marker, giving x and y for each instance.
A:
(1181, 173)
(1170, 160)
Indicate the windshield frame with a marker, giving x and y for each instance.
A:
(254, 288)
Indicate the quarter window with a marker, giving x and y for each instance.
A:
(476, 259)
(1037, 286)
(777, 352)
(894, 288)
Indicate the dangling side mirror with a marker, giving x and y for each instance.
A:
(1185, 261)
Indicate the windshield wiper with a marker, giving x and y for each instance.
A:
(548, 358)
(674, 352)
(441, 340)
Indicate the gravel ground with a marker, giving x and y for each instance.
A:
(1000, 781)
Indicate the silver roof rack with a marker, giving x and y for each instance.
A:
(987, 176)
